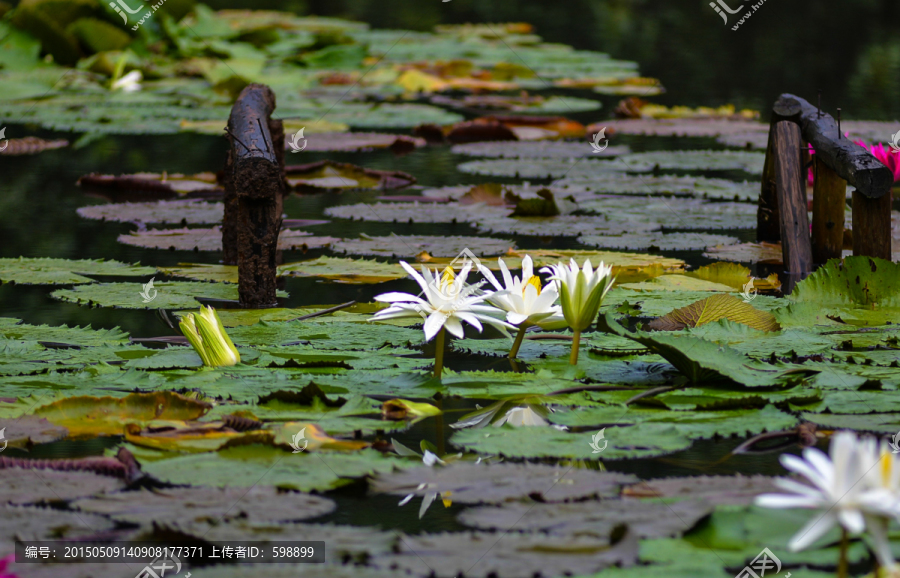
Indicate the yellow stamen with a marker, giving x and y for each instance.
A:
(886, 464)
(536, 282)
(447, 276)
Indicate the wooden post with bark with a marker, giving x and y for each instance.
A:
(254, 187)
(838, 161)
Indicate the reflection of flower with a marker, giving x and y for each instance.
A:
(521, 416)
(131, 82)
(581, 292)
(207, 335)
(856, 487)
(429, 459)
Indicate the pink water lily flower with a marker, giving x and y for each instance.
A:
(888, 157)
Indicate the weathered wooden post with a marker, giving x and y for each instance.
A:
(254, 185)
(838, 162)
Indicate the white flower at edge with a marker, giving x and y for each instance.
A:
(581, 291)
(521, 416)
(524, 301)
(448, 302)
(849, 487)
(131, 82)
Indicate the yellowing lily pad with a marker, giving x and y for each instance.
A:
(313, 438)
(677, 283)
(92, 416)
(713, 309)
(325, 176)
(187, 437)
(341, 270)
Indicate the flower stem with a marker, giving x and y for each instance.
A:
(518, 342)
(576, 341)
(842, 562)
(439, 353)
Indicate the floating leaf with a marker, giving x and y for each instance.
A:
(28, 486)
(398, 409)
(408, 246)
(685, 126)
(31, 145)
(211, 239)
(92, 416)
(315, 438)
(735, 276)
(624, 184)
(357, 141)
(498, 483)
(731, 490)
(534, 150)
(562, 226)
(24, 271)
(207, 505)
(27, 431)
(326, 176)
(713, 309)
(415, 212)
(658, 241)
(676, 283)
(591, 518)
(766, 253)
(170, 294)
(187, 212)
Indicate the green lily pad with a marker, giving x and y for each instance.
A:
(198, 239)
(253, 465)
(563, 226)
(170, 294)
(24, 271)
(82, 336)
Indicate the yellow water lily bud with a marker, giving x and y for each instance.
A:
(207, 335)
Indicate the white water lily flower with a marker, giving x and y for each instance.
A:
(448, 302)
(521, 416)
(581, 291)
(841, 488)
(131, 82)
(525, 301)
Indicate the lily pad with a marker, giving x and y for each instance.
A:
(767, 253)
(184, 212)
(28, 486)
(713, 309)
(24, 271)
(658, 241)
(162, 185)
(339, 270)
(357, 141)
(499, 483)
(329, 176)
(209, 505)
(693, 127)
(731, 490)
(170, 294)
(408, 246)
(591, 518)
(623, 184)
(415, 212)
(92, 416)
(252, 465)
(29, 430)
(563, 226)
(195, 239)
(536, 150)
